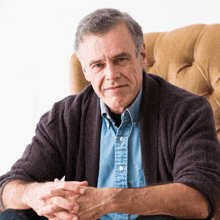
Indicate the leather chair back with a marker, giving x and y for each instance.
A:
(188, 57)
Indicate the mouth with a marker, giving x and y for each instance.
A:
(116, 87)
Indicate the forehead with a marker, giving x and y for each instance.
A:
(114, 42)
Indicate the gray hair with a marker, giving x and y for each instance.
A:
(102, 20)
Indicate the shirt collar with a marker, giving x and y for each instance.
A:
(133, 110)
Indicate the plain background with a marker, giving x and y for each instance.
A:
(36, 42)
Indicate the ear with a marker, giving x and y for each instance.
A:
(143, 56)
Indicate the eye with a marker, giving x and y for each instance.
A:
(97, 65)
(121, 60)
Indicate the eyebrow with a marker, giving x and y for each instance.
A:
(123, 54)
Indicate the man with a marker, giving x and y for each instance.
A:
(130, 145)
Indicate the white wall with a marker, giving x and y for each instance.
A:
(36, 41)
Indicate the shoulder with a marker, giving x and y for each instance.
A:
(176, 106)
(76, 103)
(78, 99)
(69, 109)
(173, 95)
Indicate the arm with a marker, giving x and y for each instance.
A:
(173, 199)
(43, 160)
(196, 150)
(12, 195)
(18, 194)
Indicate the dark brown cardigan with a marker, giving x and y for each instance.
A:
(177, 134)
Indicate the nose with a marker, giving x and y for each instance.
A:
(112, 72)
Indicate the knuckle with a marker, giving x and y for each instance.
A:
(69, 194)
(70, 206)
(55, 200)
(64, 184)
(77, 188)
(53, 208)
(50, 193)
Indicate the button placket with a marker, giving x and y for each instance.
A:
(121, 153)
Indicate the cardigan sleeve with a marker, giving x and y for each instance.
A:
(54, 150)
(195, 148)
(42, 160)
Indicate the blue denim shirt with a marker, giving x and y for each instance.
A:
(120, 163)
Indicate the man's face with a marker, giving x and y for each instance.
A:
(111, 65)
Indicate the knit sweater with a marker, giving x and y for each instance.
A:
(177, 134)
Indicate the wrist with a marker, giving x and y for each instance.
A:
(13, 194)
(28, 191)
(117, 199)
(125, 200)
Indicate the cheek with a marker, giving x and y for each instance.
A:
(134, 74)
(136, 80)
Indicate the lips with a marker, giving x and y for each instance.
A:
(115, 87)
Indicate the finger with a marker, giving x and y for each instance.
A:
(58, 188)
(54, 218)
(49, 193)
(60, 215)
(50, 216)
(84, 183)
(59, 193)
(65, 204)
(48, 210)
(65, 215)
(56, 180)
(77, 187)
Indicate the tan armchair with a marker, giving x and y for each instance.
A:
(188, 57)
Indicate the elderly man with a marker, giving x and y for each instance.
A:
(130, 145)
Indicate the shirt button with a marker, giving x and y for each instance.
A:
(121, 168)
(121, 138)
(134, 123)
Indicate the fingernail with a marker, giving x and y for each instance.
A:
(82, 191)
(76, 208)
(74, 218)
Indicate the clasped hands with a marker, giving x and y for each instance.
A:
(71, 200)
